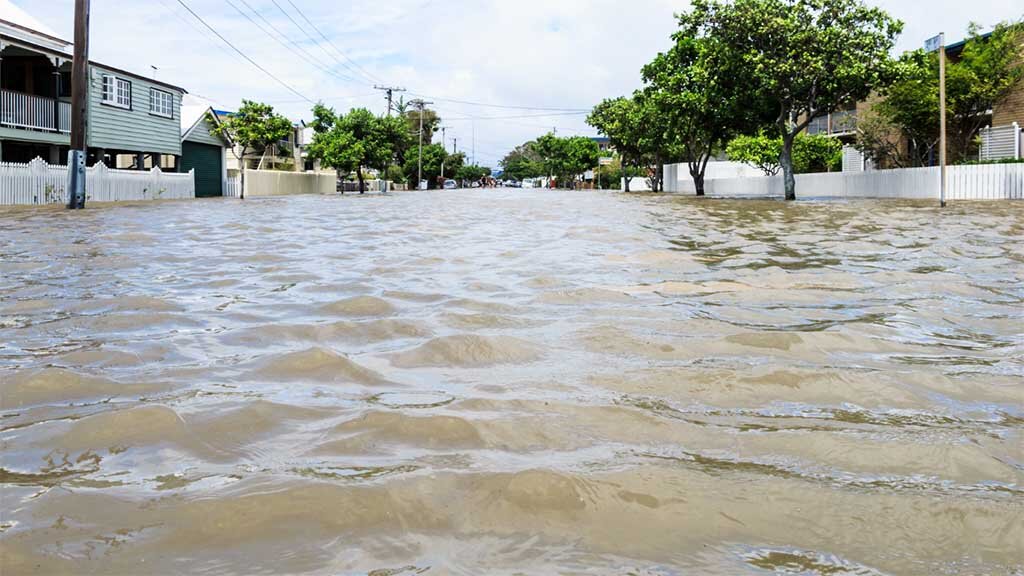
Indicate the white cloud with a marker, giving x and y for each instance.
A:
(540, 53)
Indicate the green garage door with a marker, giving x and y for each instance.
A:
(206, 161)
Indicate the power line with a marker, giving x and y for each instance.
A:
(503, 106)
(366, 73)
(517, 117)
(243, 54)
(304, 32)
(309, 57)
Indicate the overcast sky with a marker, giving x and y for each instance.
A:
(540, 54)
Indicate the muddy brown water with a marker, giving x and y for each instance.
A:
(512, 382)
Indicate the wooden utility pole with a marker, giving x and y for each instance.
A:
(79, 107)
(390, 91)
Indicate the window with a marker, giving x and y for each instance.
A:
(161, 103)
(117, 91)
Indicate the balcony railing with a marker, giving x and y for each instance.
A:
(844, 122)
(32, 112)
(818, 126)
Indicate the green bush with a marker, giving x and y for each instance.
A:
(815, 153)
(987, 162)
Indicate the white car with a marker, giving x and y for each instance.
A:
(529, 184)
(450, 185)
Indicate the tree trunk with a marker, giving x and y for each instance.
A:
(241, 182)
(786, 161)
(359, 174)
(698, 183)
(626, 179)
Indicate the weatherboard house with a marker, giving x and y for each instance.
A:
(134, 121)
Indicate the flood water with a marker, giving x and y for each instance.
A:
(512, 382)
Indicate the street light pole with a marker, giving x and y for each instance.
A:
(79, 110)
(942, 113)
(420, 105)
(938, 43)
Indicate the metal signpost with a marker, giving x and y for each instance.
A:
(938, 43)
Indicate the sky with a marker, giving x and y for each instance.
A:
(500, 72)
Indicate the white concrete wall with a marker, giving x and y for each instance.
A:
(986, 182)
(678, 179)
(280, 183)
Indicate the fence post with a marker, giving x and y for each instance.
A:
(37, 169)
(101, 182)
(192, 183)
(1016, 141)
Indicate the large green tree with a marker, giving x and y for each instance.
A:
(253, 127)
(805, 57)
(523, 162)
(699, 105)
(817, 153)
(435, 160)
(625, 121)
(566, 158)
(354, 141)
(986, 72)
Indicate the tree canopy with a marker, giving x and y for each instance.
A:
(984, 75)
(523, 162)
(817, 153)
(253, 127)
(566, 158)
(357, 140)
(805, 58)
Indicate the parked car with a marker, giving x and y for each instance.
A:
(450, 185)
(528, 184)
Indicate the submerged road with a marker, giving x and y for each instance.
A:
(512, 381)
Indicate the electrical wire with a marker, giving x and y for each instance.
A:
(243, 54)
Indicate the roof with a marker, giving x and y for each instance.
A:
(958, 47)
(22, 19)
(194, 112)
(26, 31)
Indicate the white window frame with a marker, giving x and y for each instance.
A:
(161, 103)
(117, 92)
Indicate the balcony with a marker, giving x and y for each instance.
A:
(818, 126)
(30, 112)
(844, 122)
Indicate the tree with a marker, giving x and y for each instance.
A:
(254, 127)
(623, 121)
(431, 123)
(566, 158)
(434, 158)
(581, 154)
(806, 57)
(523, 162)
(701, 107)
(811, 153)
(355, 141)
(985, 74)
(472, 173)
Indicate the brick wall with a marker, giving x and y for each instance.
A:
(1010, 110)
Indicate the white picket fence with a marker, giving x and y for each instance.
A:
(982, 182)
(40, 183)
(232, 187)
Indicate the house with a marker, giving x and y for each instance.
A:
(842, 124)
(289, 154)
(202, 150)
(134, 121)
